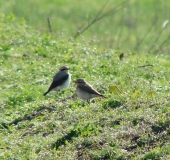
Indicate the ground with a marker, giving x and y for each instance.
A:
(133, 122)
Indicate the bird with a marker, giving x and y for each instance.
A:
(61, 80)
(85, 91)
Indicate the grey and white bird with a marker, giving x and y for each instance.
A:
(85, 91)
(61, 80)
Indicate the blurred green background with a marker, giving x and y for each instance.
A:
(130, 125)
(136, 25)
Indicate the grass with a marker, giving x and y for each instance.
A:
(137, 26)
(133, 124)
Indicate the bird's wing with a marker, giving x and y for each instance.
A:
(89, 89)
(59, 75)
(58, 79)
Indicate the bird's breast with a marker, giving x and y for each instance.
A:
(65, 84)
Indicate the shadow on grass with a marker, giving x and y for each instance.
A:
(112, 104)
(31, 116)
(4, 125)
(78, 130)
(150, 142)
(160, 126)
(63, 140)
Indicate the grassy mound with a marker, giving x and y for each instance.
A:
(132, 123)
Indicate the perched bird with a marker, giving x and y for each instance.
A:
(85, 91)
(60, 81)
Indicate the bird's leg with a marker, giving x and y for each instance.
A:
(88, 101)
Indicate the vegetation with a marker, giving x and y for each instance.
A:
(140, 26)
(132, 123)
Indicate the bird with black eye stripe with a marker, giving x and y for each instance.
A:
(61, 80)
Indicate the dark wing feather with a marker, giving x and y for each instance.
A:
(89, 89)
(57, 82)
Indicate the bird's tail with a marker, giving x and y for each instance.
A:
(45, 93)
(103, 96)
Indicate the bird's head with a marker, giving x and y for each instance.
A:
(64, 68)
(80, 81)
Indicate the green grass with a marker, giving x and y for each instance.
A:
(132, 125)
(137, 27)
